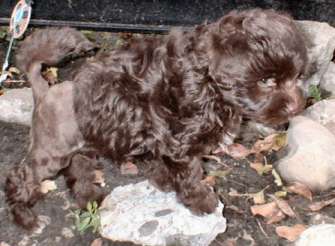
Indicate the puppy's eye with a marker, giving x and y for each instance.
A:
(269, 82)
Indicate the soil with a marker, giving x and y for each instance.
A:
(243, 228)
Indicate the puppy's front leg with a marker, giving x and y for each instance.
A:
(186, 175)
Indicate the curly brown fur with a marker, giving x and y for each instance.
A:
(166, 100)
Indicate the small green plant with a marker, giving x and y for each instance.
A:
(86, 219)
(315, 92)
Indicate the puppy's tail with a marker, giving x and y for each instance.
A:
(49, 47)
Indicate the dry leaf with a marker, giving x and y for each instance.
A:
(290, 233)
(284, 206)
(209, 180)
(97, 242)
(258, 197)
(281, 193)
(272, 142)
(129, 168)
(220, 173)
(48, 185)
(280, 141)
(233, 192)
(300, 189)
(270, 211)
(236, 151)
(99, 178)
(316, 206)
(260, 167)
(278, 180)
(264, 144)
(53, 71)
(14, 70)
(235, 209)
(278, 216)
(51, 75)
(215, 158)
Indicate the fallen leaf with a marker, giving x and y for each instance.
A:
(129, 168)
(278, 216)
(14, 70)
(209, 180)
(235, 209)
(281, 193)
(258, 197)
(284, 206)
(261, 168)
(264, 210)
(316, 206)
(51, 75)
(215, 158)
(278, 180)
(220, 173)
(264, 144)
(290, 233)
(280, 141)
(99, 178)
(272, 142)
(236, 151)
(53, 71)
(97, 242)
(270, 211)
(48, 185)
(233, 192)
(300, 189)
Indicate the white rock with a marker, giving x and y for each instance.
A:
(16, 106)
(323, 112)
(318, 235)
(144, 215)
(310, 159)
(321, 39)
(328, 80)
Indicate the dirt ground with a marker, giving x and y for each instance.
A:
(243, 228)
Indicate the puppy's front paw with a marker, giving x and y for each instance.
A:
(200, 200)
(207, 205)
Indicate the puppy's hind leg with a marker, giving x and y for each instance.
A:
(55, 137)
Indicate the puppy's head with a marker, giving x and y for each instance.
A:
(256, 58)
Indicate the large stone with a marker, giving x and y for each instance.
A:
(318, 235)
(16, 106)
(328, 80)
(323, 112)
(310, 155)
(144, 215)
(321, 45)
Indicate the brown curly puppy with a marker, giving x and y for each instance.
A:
(166, 100)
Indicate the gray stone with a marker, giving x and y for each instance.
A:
(141, 214)
(321, 45)
(16, 106)
(323, 112)
(328, 80)
(318, 235)
(310, 155)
